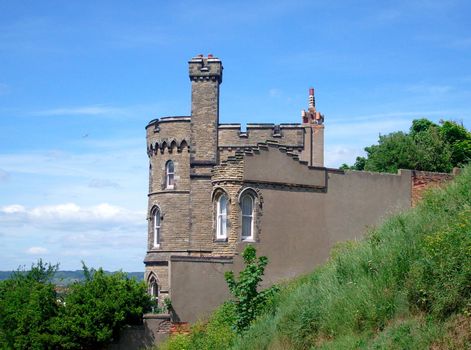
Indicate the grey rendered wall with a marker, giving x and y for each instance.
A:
(298, 228)
(199, 286)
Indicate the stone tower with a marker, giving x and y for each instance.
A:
(205, 76)
(182, 151)
(313, 123)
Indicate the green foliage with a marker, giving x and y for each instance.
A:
(27, 306)
(249, 302)
(427, 146)
(393, 151)
(439, 281)
(360, 163)
(34, 316)
(394, 290)
(94, 311)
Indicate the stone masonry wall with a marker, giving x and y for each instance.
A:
(228, 178)
(230, 135)
(201, 215)
(423, 180)
(161, 271)
(168, 129)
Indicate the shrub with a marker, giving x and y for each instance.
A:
(28, 304)
(94, 311)
(249, 302)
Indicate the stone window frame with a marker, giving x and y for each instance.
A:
(156, 229)
(257, 204)
(169, 175)
(153, 289)
(153, 285)
(221, 218)
(218, 192)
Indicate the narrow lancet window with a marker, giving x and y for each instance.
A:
(247, 217)
(156, 227)
(170, 175)
(221, 230)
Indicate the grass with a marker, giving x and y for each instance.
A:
(403, 287)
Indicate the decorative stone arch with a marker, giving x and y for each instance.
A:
(153, 285)
(182, 146)
(257, 212)
(218, 191)
(254, 191)
(172, 145)
(163, 146)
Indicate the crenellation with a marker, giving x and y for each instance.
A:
(231, 135)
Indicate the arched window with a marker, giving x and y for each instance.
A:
(153, 288)
(170, 175)
(221, 229)
(156, 226)
(247, 205)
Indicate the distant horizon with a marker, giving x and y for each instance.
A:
(79, 81)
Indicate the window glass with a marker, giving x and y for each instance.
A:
(170, 169)
(247, 216)
(156, 220)
(222, 217)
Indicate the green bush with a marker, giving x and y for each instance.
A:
(89, 316)
(28, 305)
(95, 310)
(248, 301)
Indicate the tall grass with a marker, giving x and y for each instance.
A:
(393, 290)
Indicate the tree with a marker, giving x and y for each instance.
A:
(393, 151)
(427, 146)
(459, 140)
(28, 305)
(95, 311)
(34, 316)
(248, 300)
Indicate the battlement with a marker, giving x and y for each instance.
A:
(203, 68)
(171, 133)
(232, 135)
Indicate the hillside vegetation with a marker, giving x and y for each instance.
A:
(407, 285)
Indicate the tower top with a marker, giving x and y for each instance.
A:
(311, 116)
(205, 68)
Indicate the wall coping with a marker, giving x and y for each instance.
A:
(156, 316)
(218, 259)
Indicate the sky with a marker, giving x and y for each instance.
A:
(80, 80)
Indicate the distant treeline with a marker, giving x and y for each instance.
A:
(64, 278)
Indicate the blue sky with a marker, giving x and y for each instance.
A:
(79, 80)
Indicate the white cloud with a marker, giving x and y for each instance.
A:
(72, 217)
(13, 209)
(36, 250)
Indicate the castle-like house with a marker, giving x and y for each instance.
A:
(214, 188)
